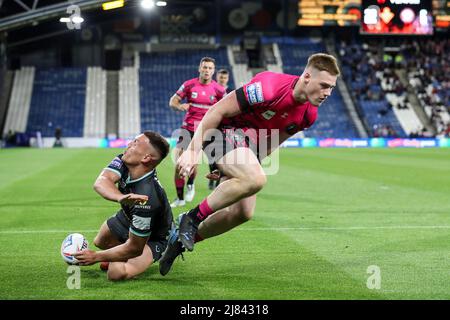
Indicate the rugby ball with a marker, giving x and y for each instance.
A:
(73, 243)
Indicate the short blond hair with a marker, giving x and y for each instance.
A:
(324, 62)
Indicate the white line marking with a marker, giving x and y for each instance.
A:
(45, 231)
(246, 229)
(344, 228)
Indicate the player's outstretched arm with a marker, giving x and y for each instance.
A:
(225, 108)
(132, 248)
(105, 185)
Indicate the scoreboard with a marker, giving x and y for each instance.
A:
(412, 17)
(329, 12)
(351, 13)
(441, 11)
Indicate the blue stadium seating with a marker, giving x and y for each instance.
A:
(376, 113)
(333, 120)
(58, 100)
(160, 76)
(374, 118)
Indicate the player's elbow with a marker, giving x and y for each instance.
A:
(174, 102)
(96, 186)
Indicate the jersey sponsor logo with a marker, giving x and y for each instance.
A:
(255, 93)
(194, 95)
(116, 163)
(141, 223)
(143, 206)
(268, 114)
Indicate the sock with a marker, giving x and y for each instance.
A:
(204, 210)
(191, 179)
(201, 212)
(179, 184)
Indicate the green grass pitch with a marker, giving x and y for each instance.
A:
(319, 224)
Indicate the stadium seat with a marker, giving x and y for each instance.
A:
(58, 100)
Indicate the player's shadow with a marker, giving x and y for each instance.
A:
(93, 274)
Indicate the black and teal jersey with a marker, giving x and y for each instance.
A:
(153, 218)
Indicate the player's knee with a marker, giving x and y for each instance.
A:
(116, 273)
(245, 215)
(255, 184)
(116, 276)
(99, 242)
(260, 181)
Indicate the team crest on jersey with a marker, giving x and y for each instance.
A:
(268, 114)
(194, 95)
(255, 93)
(292, 128)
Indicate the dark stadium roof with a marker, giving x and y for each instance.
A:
(12, 7)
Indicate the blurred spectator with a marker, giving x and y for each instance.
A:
(58, 142)
(384, 131)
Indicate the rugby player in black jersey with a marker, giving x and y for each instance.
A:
(136, 235)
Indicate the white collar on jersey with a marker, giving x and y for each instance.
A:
(139, 179)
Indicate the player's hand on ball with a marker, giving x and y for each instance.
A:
(86, 257)
(132, 198)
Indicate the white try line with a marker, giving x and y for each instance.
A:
(248, 229)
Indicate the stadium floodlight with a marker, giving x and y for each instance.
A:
(113, 5)
(147, 4)
(161, 3)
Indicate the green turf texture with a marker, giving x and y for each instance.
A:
(320, 222)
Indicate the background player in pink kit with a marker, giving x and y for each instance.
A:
(269, 101)
(201, 93)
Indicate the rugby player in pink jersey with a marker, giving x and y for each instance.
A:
(270, 100)
(201, 94)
